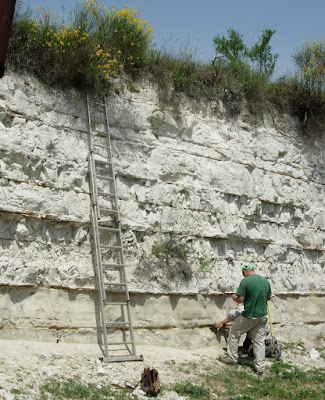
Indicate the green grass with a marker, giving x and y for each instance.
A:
(60, 388)
(295, 348)
(321, 351)
(191, 390)
(16, 391)
(282, 381)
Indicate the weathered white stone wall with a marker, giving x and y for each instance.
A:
(233, 191)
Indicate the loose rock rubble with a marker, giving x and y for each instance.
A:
(26, 366)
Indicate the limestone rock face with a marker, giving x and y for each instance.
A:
(229, 191)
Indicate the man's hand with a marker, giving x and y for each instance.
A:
(222, 326)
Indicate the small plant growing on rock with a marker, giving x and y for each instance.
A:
(205, 267)
(168, 262)
(170, 248)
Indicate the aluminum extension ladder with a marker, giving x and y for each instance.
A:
(114, 303)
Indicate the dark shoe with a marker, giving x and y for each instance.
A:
(259, 372)
(227, 360)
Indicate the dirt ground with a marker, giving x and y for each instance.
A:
(26, 366)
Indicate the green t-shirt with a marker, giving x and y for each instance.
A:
(255, 289)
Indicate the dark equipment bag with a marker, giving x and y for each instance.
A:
(272, 348)
(150, 383)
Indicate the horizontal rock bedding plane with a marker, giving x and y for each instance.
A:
(222, 190)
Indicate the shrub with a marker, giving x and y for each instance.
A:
(95, 46)
(310, 62)
(261, 53)
(124, 34)
(234, 51)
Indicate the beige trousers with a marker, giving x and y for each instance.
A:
(256, 328)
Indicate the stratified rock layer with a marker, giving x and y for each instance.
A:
(230, 190)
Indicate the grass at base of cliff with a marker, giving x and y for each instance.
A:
(281, 381)
(61, 388)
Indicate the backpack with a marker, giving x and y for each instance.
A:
(150, 383)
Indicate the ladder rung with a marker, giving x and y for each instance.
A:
(111, 195)
(124, 358)
(99, 146)
(112, 265)
(109, 178)
(107, 228)
(105, 194)
(100, 133)
(116, 303)
(119, 343)
(96, 102)
(114, 284)
(107, 210)
(117, 323)
(107, 246)
(95, 117)
(111, 247)
(103, 162)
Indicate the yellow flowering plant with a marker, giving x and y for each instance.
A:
(97, 43)
(310, 63)
(123, 34)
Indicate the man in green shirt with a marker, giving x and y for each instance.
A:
(254, 291)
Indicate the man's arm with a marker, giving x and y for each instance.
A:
(238, 299)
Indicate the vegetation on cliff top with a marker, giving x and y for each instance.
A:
(99, 43)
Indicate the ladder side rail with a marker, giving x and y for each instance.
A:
(95, 217)
(120, 233)
(95, 207)
(116, 201)
(100, 282)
